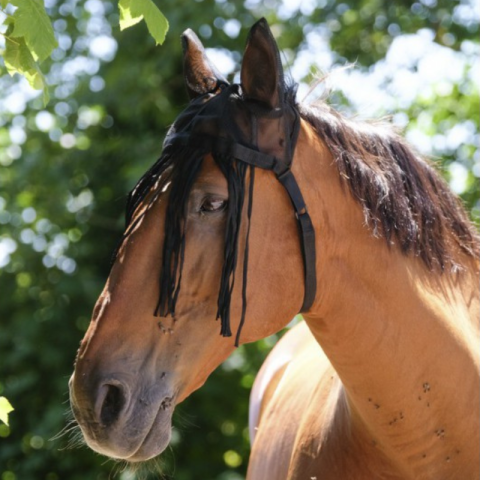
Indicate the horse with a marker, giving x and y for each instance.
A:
(260, 208)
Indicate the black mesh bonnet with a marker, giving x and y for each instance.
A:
(220, 120)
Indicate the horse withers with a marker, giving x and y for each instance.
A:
(260, 208)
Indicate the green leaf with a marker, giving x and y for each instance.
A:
(19, 59)
(127, 16)
(133, 11)
(31, 22)
(5, 409)
(4, 3)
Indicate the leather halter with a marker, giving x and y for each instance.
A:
(283, 172)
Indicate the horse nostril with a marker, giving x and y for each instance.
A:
(112, 401)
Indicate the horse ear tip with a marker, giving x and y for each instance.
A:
(188, 33)
(262, 23)
(261, 28)
(187, 37)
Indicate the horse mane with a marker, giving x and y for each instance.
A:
(404, 198)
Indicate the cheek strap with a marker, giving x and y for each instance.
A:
(307, 233)
(285, 176)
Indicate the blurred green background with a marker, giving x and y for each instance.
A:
(65, 170)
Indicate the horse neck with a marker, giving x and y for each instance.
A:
(396, 333)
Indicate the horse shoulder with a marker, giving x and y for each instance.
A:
(284, 384)
(272, 371)
(300, 423)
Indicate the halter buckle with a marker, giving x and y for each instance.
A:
(280, 169)
(300, 214)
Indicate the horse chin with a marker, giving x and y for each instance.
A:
(136, 441)
(156, 441)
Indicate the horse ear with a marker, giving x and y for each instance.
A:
(262, 72)
(201, 76)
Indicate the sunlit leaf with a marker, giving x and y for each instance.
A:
(19, 59)
(5, 409)
(32, 23)
(127, 16)
(133, 11)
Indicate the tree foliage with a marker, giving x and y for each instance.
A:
(30, 38)
(65, 169)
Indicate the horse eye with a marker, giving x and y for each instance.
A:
(212, 205)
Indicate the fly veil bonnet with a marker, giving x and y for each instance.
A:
(243, 126)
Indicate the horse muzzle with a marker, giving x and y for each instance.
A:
(122, 418)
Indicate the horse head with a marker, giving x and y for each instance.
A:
(209, 236)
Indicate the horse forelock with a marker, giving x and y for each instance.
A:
(220, 115)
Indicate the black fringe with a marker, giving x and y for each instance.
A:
(179, 165)
(235, 174)
(184, 175)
